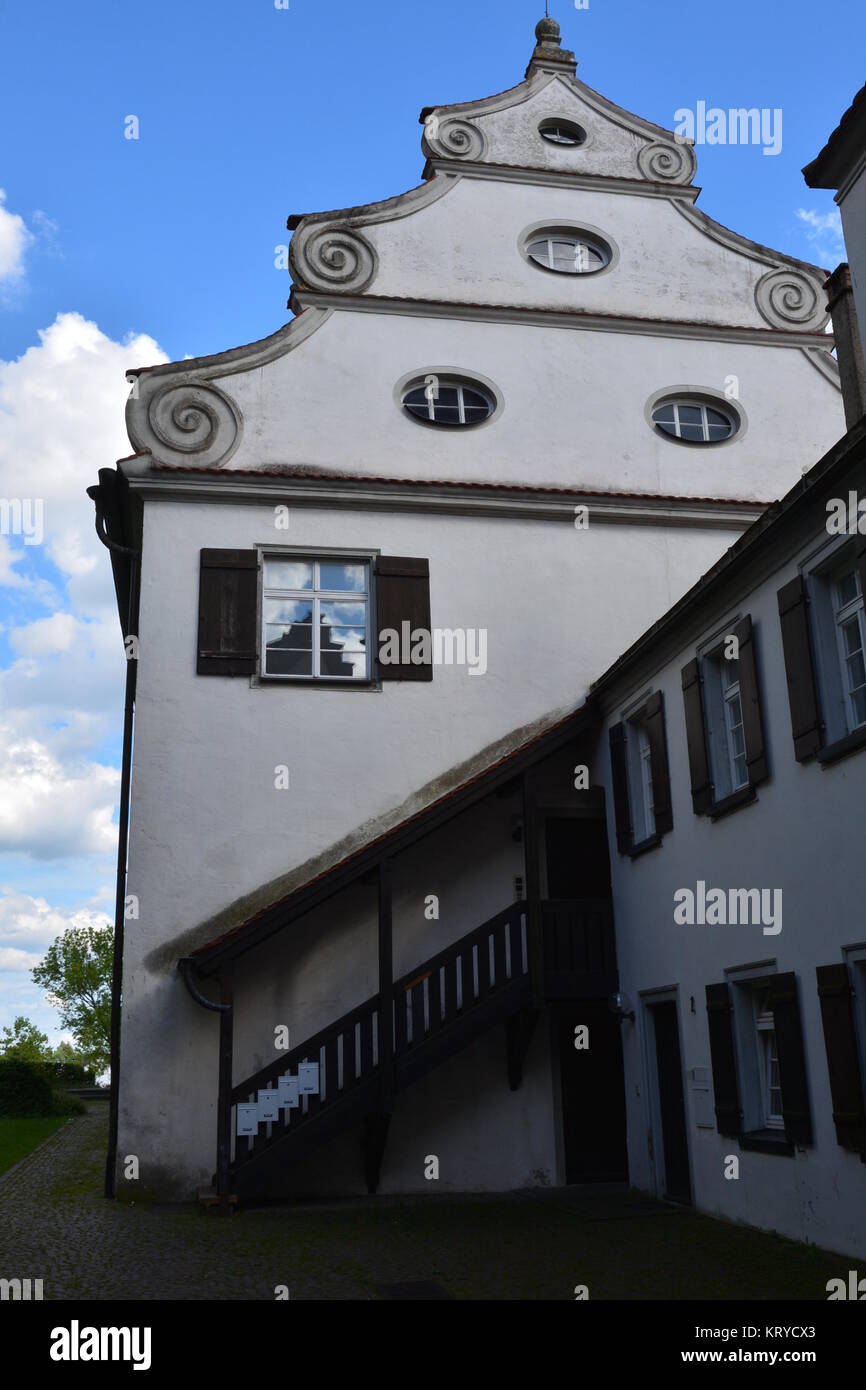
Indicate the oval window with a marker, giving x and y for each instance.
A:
(562, 132)
(694, 421)
(448, 401)
(568, 253)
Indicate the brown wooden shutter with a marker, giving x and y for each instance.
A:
(655, 721)
(699, 766)
(228, 587)
(750, 703)
(619, 777)
(721, 1028)
(843, 1061)
(792, 1058)
(800, 669)
(403, 597)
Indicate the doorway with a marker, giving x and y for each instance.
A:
(670, 1143)
(576, 861)
(593, 1093)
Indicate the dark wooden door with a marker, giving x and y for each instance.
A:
(578, 863)
(672, 1102)
(593, 1094)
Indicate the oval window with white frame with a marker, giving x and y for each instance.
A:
(695, 421)
(560, 132)
(452, 402)
(568, 252)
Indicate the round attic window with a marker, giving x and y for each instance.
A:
(694, 421)
(567, 251)
(558, 132)
(449, 401)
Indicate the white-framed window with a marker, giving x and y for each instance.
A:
(569, 253)
(735, 738)
(442, 401)
(724, 725)
(316, 618)
(850, 622)
(562, 132)
(640, 779)
(769, 1080)
(694, 421)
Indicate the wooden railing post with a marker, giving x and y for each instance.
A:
(224, 1103)
(386, 987)
(534, 938)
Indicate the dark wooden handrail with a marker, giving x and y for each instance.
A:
(432, 1006)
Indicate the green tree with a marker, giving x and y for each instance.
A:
(76, 975)
(24, 1041)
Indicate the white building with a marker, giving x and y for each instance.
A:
(520, 409)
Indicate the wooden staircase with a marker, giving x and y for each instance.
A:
(439, 1008)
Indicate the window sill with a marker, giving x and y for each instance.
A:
(767, 1141)
(851, 743)
(743, 796)
(651, 842)
(306, 683)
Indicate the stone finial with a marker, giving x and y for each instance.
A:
(549, 52)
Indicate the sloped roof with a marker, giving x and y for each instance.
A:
(846, 146)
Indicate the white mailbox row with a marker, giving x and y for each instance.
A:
(287, 1096)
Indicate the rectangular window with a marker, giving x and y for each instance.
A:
(851, 645)
(725, 734)
(769, 1085)
(640, 778)
(316, 618)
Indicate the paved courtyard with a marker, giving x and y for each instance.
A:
(56, 1226)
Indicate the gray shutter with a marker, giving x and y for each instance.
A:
(721, 1029)
(699, 766)
(861, 565)
(750, 702)
(619, 778)
(800, 669)
(792, 1058)
(655, 719)
(402, 597)
(843, 1061)
(228, 590)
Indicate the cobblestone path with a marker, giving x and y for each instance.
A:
(56, 1226)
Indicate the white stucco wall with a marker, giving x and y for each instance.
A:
(803, 835)
(573, 407)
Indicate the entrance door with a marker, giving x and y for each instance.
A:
(576, 857)
(671, 1102)
(593, 1094)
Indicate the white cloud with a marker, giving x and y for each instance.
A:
(49, 809)
(61, 420)
(14, 241)
(824, 231)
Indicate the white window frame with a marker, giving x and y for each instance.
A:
(720, 694)
(767, 1054)
(566, 137)
(705, 424)
(573, 239)
(844, 612)
(730, 695)
(640, 778)
(315, 596)
(459, 387)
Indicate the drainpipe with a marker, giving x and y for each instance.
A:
(225, 1009)
(849, 344)
(134, 557)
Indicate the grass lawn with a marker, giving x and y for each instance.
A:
(19, 1137)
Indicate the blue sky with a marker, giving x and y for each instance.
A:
(118, 252)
